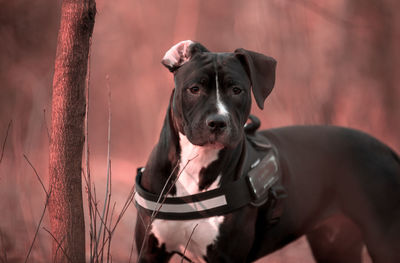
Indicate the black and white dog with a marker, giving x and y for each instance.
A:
(342, 186)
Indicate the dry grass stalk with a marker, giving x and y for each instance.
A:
(108, 183)
(45, 124)
(187, 244)
(101, 236)
(92, 231)
(5, 140)
(4, 257)
(43, 212)
(59, 245)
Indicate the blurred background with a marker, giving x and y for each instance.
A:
(338, 63)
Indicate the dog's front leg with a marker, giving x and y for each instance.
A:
(236, 236)
(147, 245)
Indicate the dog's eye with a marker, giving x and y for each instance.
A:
(194, 90)
(236, 90)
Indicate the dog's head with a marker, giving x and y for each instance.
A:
(212, 96)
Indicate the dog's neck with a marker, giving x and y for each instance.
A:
(194, 160)
(206, 167)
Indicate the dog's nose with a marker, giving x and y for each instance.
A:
(216, 122)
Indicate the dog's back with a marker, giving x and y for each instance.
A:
(331, 172)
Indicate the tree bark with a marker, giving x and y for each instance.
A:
(67, 130)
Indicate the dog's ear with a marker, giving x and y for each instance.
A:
(181, 53)
(261, 71)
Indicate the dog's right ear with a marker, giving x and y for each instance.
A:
(181, 53)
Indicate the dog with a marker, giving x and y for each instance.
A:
(215, 189)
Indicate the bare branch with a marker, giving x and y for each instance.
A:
(5, 140)
(37, 175)
(44, 209)
(88, 180)
(5, 259)
(58, 243)
(38, 227)
(110, 235)
(96, 210)
(187, 244)
(124, 209)
(58, 248)
(108, 156)
(45, 124)
(107, 208)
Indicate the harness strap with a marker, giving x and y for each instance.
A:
(215, 202)
(253, 188)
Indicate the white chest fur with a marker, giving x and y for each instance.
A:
(176, 234)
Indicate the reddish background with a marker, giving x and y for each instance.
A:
(338, 63)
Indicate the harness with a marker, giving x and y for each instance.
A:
(258, 186)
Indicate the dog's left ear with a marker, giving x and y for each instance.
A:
(181, 53)
(261, 71)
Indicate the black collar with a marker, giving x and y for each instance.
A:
(255, 188)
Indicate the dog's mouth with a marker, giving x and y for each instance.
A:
(214, 142)
(201, 135)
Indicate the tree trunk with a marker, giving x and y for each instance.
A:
(67, 130)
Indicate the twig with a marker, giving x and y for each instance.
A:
(95, 221)
(4, 247)
(37, 175)
(124, 208)
(133, 239)
(45, 124)
(155, 212)
(58, 248)
(108, 156)
(88, 181)
(164, 187)
(5, 140)
(58, 243)
(118, 220)
(108, 207)
(111, 216)
(97, 253)
(110, 236)
(187, 244)
(169, 190)
(38, 227)
(96, 210)
(44, 209)
(89, 199)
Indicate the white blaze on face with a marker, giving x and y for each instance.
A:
(220, 105)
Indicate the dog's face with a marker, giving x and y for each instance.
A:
(212, 97)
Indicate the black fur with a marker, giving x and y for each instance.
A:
(343, 185)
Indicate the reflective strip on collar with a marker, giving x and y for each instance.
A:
(215, 202)
(252, 188)
(182, 208)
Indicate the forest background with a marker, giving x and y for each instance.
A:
(338, 63)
